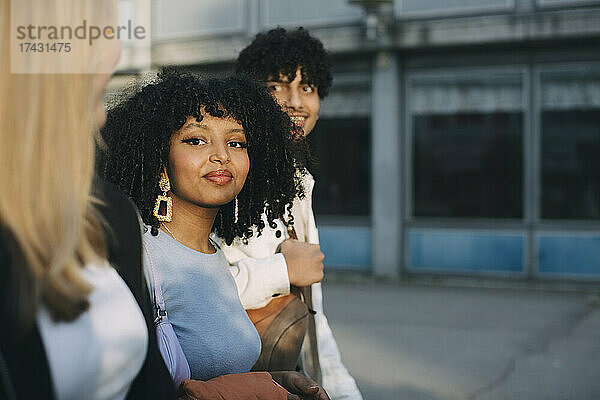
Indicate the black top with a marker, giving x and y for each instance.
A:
(25, 356)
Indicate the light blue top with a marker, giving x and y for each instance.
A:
(203, 305)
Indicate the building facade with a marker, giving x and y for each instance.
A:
(460, 137)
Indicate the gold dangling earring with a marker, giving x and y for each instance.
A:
(235, 211)
(164, 186)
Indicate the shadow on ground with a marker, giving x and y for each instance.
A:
(401, 392)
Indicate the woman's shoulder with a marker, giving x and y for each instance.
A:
(121, 232)
(161, 248)
(157, 241)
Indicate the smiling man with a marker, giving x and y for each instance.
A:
(296, 69)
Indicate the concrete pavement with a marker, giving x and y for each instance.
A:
(442, 343)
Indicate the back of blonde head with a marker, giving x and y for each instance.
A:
(47, 146)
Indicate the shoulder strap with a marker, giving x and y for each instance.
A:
(290, 229)
(311, 363)
(159, 302)
(214, 242)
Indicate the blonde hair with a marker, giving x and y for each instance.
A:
(47, 213)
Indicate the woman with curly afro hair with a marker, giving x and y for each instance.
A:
(139, 129)
(198, 157)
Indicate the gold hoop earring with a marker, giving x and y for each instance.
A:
(235, 211)
(164, 186)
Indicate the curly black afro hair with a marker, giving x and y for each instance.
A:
(139, 127)
(281, 52)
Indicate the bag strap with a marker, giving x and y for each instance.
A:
(159, 302)
(311, 364)
(310, 359)
(290, 229)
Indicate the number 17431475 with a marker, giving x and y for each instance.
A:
(45, 47)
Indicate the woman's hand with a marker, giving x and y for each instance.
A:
(300, 386)
(243, 386)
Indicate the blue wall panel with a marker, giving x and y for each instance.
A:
(569, 255)
(346, 247)
(454, 250)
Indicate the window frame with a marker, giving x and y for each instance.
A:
(531, 225)
(401, 13)
(554, 4)
(409, 220)
(552, 226)
(538, 71)
(474, 225)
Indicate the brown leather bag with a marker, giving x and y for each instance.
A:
(284, 325)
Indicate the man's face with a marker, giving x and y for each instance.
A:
(300, 100)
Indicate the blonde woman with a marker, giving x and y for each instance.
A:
(72, 327)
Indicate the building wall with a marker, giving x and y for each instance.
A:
(461, 141)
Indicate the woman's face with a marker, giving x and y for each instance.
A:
(208, 161)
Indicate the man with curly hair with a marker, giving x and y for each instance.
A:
(296, 69)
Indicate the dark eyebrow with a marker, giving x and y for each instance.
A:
(202, 126)
(279, 79)
(307, 82)
(193, 125)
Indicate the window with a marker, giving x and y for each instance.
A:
(467, 145)
(570, 144)
(342, 149)
(445, 7)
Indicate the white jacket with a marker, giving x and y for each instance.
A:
(261, 274)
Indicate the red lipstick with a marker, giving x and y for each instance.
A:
(220, 177)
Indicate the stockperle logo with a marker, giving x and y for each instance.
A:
(78, 39)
